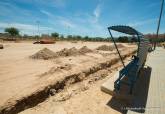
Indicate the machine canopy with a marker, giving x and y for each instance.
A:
(125, 29)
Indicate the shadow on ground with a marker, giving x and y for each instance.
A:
(140, 93)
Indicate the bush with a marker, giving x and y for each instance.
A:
(123, 39)
(55, 34)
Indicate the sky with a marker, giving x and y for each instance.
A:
(80, 17)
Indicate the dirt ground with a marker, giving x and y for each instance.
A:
(90, 101)
(81, 76)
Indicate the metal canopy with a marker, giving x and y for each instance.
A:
(125, 29)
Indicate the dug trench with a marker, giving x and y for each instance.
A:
(41, 95)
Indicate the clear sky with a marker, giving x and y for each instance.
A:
(80, 17)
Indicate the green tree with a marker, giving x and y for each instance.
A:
(134, 39)
(86, 38)
(69, 37)
(79, 37)
(123, 39)
(62, 36)
(12, 31)
(55, 34)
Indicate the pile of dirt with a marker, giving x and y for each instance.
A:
(48, 54)
(120, 46)
(109, 48)
(84, 50)
(44, 54)
(68, 52)
(73, 51)
(1, 46)
(105, 48)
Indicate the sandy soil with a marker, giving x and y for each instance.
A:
(89, 101)
(20, 76)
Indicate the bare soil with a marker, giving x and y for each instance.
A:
(69, 78)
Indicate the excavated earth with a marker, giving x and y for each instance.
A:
(31, 74)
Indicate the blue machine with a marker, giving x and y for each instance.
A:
(131, 71)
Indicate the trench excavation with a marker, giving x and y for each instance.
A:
(41, 95)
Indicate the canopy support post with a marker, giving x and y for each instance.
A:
(157, 32)
(116, 48)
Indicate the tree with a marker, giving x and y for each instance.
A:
(55, 34)
(62, 36)
(12, 31)
(79, 37)
(69, 37)
(123, 39)
(86, 38)
(134, 39)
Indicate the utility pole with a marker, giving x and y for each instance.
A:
(38, 22)
(157, 32)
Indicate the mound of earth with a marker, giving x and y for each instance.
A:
(73, 51)
(48, 54)
(105, 48)
(85, 49)
(109, 48)
(120, 46)
(68, 52)
(44, 54)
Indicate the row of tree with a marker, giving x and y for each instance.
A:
(152, 37)
(13, 32)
